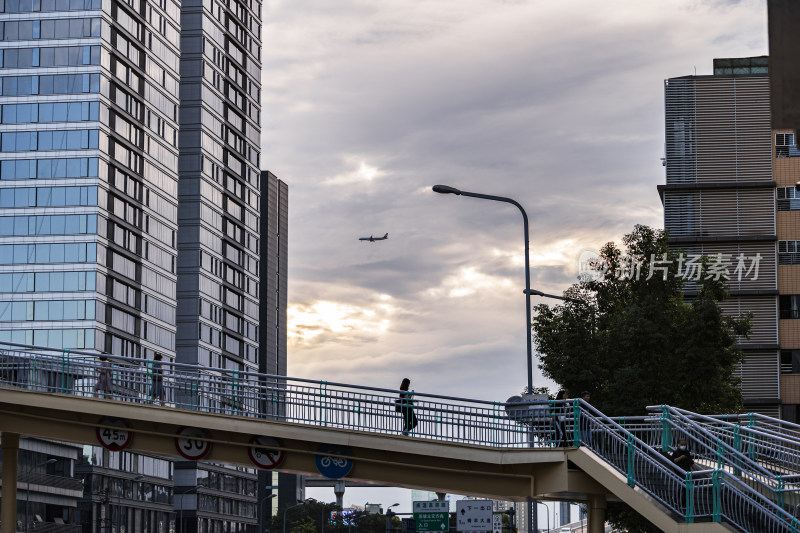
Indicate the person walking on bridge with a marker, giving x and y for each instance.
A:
(405, 405)
(157, 387)
(682, 456)
(103, 384)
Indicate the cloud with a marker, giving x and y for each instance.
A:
(558, 105)
(360, 174)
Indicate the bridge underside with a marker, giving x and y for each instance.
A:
(496, 473)
(509, 474)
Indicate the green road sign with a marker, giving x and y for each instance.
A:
(432, 517)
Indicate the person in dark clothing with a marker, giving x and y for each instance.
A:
(405, 405)
(682, 456)
(560, 418)
(157, 388)
(585, 425)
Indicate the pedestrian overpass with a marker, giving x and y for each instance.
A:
(748, 474)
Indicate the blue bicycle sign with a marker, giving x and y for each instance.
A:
(330, 462)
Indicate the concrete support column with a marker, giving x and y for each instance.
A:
(338, 490)
(8, 510)
(597, 513)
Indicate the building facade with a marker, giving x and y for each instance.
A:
(719, 202)
(88, 201)
(784, 19)
(130, 187)
(218, 241)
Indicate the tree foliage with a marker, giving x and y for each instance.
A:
(314, 516)
(635, 340)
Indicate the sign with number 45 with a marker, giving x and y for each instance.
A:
(113, 434)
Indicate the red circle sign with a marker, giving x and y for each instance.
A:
(191, 443)
(114, 438)
(265, 455)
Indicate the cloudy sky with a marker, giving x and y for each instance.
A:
(556, 103)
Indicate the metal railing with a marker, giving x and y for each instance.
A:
(778, 454)
(634, 446)
(302, 401)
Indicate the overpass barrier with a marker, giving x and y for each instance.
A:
(737, 490)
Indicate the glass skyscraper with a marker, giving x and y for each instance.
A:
(129, 188)
(89, 175)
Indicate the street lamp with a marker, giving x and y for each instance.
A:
(260, 509)
(28, 491)
(546, 508)
(298, 504)
(389, 515)
(322, 517)
(446, 189)
(182, 494)
(119, 499)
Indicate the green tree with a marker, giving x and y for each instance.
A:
(306, 525)
(635, 340)
(308, 518)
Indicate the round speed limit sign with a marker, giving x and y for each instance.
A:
(116, 437)
(191, 443)
(264, 454)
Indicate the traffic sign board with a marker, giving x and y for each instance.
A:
(474, 515)
(191, 443)
(116, 438)
(497, 523)
(330, 466)
(431, 517)
(264, 454)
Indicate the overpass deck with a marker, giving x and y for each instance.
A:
(545, 450)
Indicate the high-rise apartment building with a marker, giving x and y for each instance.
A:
(720, 199)
(218, 230)
(129, 188)
(784, 19)
(733, 187)
(89, 98)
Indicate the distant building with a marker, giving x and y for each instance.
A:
(733, 172)
(130, 206)
(719, 198)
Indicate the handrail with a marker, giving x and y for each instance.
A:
(775, 455)
(715, 494)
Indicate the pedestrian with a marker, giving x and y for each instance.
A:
(157, 389)
(682, 456)
(585, 421)
(405, 406)
(103, 384)
(560, 418)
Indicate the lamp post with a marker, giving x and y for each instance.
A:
(260, 509)
(28, 491)
(446, 189)
(298, 504)
(119, 500)
(389, 515)
(322, 517)
(546, 508)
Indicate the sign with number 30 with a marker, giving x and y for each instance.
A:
(191, 443)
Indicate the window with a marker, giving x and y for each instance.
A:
(788, 199)
(785, 145)
(789, 252)
(790, 361)
(789, 305)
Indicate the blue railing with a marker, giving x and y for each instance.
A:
(737, 489)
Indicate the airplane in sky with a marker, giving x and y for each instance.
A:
(373, 239)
